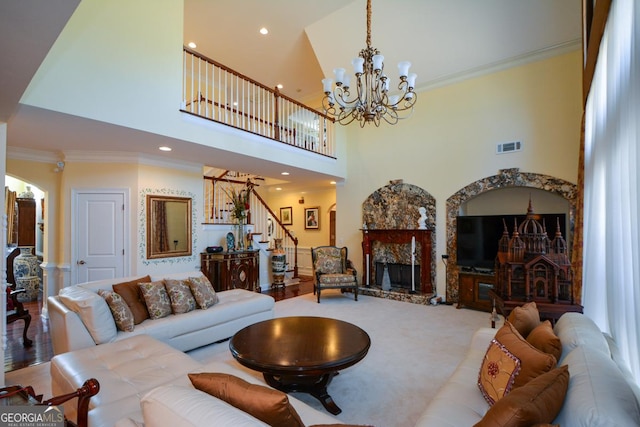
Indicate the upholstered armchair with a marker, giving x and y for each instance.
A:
(333, 270)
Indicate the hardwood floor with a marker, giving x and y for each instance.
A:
(17, 357)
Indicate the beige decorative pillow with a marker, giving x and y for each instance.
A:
(525, 318)
(120, 310)
(266, 404)
(203, 291)
(93, 311)
(544, 339)
(182, 300)
(156, 299)
(130, 292)
(533, 362)
(536, 403)
(498, 372)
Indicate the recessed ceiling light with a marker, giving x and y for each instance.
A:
(284, 173)
(192, 45)
(278, 189)
(264, 31)
(164, 148)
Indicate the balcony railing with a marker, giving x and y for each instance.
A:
(215, 92)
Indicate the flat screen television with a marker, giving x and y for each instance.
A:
(478, 236)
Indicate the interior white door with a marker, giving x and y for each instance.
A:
(99, 235)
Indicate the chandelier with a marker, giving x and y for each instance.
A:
(371, 101)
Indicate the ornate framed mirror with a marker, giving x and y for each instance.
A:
(168, 226)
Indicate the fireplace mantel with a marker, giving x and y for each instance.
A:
(422, 237)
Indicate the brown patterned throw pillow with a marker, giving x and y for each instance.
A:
(203, 292)
(266, 404)
(156, 298)
(498, 372)
(180, 295)
(130, 292)
(119, 309)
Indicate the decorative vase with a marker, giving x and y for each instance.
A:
(27, 194)
(31, 284)
(278, 263)
(231, 242)
(25, 272)
(386, 280)
(240, 235)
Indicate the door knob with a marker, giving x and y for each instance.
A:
(81, 262)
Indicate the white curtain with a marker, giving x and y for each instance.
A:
(611, 275)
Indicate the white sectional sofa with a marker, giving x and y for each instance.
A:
(600, 392)
(81, 318)
(143, 380)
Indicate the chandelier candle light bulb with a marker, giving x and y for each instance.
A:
(371, 101)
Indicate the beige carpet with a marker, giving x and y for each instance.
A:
(414, 349)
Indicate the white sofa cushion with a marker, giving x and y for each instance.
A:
(176, 406)
(598, 393)
(461, 388)
(576, 329)
(93, 310)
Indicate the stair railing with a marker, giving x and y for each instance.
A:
(265, 222)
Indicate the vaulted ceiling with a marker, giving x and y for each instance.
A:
(446, 40)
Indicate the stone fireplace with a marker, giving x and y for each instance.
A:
(390, 221)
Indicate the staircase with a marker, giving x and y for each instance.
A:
(263, 223)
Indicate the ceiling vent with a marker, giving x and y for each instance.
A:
(508, 147)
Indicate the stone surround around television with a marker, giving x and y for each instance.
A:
(506, 178)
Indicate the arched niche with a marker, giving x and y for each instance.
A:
(506, 178)
(395, 206)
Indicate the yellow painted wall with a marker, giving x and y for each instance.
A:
(323, 199)
(450, 141)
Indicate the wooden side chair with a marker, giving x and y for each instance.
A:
(16, 311)
(333, 270)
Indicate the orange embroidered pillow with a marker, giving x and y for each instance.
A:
(535, 404)
(497, 372)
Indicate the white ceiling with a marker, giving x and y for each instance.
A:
(446, 40)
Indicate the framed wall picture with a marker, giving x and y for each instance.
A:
(286, 216)
(312, 218)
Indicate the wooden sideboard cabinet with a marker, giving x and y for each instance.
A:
(26, 219)
(473, 290)
(232, 270)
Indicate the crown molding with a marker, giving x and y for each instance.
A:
(494, 67)
(17, 153)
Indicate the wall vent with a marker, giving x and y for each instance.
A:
(508, 147)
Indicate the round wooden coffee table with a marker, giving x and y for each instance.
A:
(301, 354)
